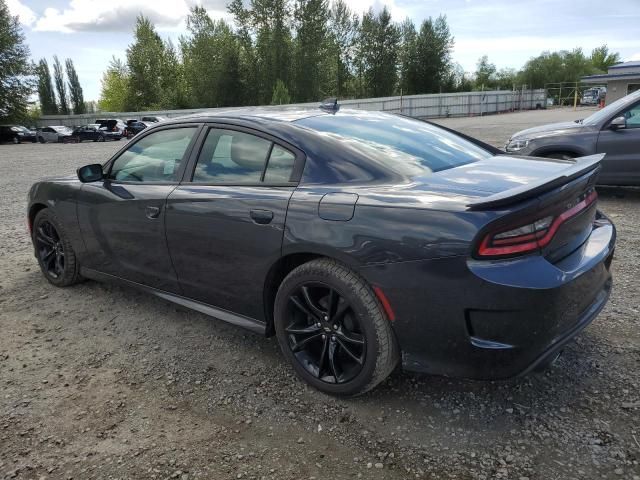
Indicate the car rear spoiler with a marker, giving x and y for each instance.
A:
(580, 167)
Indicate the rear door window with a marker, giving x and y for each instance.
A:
(230, 157)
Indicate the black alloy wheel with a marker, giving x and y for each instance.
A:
(50, 249)
(333, 330)
(53, 250)
(324, 334)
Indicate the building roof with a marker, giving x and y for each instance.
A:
(625, 65)
(605, 77)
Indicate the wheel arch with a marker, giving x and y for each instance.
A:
(562, 149)
(33, 211)
(282, 267)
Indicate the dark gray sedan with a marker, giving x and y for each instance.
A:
(361, 239)
(614, 130)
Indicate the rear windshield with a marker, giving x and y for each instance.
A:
(403, 143)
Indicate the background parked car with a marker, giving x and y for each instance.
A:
(153, 119)
(114, 128)
(16, 134)
(90, 132)
(56, 133)
(613, 130)
(135, 126)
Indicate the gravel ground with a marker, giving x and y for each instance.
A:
(98, 381)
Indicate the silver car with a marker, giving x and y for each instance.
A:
(56, 133)
(614, 130)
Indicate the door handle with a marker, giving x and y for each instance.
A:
(152, 212)
(262, 217)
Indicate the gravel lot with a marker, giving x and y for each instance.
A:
(98, 381)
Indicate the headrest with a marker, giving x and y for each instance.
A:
(249, 151)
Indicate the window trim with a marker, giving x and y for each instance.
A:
(296, 172)
(197, 126)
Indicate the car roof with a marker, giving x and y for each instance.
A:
(279, 114)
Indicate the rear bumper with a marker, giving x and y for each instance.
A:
(495, 319)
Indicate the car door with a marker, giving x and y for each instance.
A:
(122, 218)
(621, 165)
(48, 134)
(225, 222)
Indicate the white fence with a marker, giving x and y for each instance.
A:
(422, 106)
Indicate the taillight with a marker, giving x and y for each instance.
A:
(532, 236)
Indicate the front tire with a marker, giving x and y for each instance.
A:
(332, 329)
(101, 138)
(41, 140)
(16, 140)
(53, 250)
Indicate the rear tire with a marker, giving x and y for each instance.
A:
(41, 140)
(53, 250)
(101, 138)
(332, 329)
(16, 140)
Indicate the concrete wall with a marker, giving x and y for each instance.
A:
(422, 106)
(619, 88)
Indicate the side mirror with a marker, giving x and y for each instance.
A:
(90, 173)
(618, 123)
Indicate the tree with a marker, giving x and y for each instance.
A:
(554, 67)
(602, 59)
(310, 47)
(485, 73)
(46, 93)
(115, 87)
(211, 62)
(75, 90)
(409, 61)
(343, 30)
(378, 47)
(61, 87)
(280, 94)
(16, 79)
(145, 57)
(426, 58)
(271, 20)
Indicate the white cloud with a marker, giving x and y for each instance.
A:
(24, 13)
(119, 15)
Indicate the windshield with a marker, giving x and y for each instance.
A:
(402, 144)
(19, 128)
(61, 129)
(609, 110)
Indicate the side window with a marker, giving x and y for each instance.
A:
(154, 158)
(280, 165)
(238, 158)
(633, 117)
(231, 157)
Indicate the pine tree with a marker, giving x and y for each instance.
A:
(310, 78)
(46, 93)
(378, 47)
(280, 94)
(271, 20)
(211, 62)
(16, 80)
(343, 31)
(61, 87)
(75, 90)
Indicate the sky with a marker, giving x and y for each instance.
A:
(91, 32)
